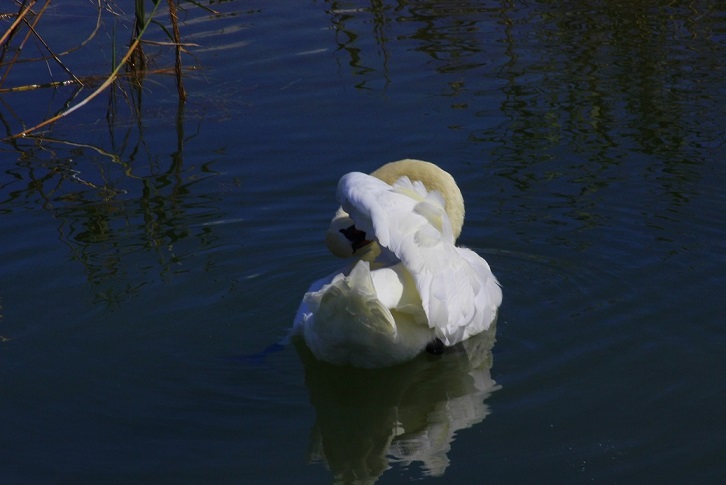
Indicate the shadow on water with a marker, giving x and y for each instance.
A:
(448, 34)
(605, 80)
(111, 201)
(103, 180)
(368, 421)
(116, 197)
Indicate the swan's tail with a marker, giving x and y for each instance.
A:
(346, 323)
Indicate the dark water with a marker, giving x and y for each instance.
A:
(151, 251)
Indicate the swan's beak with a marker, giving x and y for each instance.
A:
(344, 239)
(356, 237)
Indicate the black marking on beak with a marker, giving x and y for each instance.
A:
(356, 237)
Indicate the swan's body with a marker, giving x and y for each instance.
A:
(410, 285)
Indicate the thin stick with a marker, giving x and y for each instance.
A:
(8, 34)
(22, 43)
(85, 80)
(109, 80)
(92, 34)
(55, 58)
(20, 18)
(177, 50)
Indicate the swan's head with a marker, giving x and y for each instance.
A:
(344, 240)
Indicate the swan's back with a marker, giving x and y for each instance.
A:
(458, 291)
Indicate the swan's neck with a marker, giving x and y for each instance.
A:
(433, 178)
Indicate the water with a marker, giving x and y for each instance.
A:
(152, 252)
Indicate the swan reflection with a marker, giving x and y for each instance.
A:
(368, 420)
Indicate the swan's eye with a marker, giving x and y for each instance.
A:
(356, 237)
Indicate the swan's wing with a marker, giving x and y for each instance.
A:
(487, 295)
(453, 285)
(458, 291)
(376, 206)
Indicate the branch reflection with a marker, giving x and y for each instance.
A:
(114, 198)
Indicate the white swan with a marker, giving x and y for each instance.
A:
(409, 287)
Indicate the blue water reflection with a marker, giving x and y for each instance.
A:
(146, 243)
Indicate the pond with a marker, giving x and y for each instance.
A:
(154, 252)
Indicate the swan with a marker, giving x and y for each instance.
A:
(409, 288)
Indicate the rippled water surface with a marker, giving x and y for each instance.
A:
(153, 253)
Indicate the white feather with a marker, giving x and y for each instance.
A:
(421, 282)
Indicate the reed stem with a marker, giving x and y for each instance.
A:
(107, 82)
